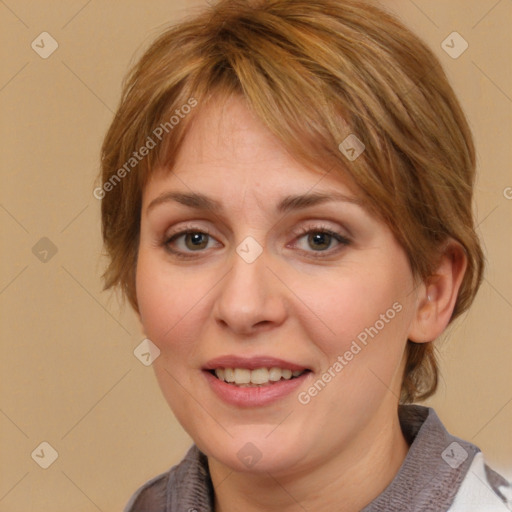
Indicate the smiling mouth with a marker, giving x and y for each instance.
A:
(243, 377)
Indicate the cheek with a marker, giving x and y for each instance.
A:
(360, 328)
(169, 302)
(356, 306)
(361, 337)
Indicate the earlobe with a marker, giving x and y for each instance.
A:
(438, 295)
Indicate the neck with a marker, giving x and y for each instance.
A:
(347, 481)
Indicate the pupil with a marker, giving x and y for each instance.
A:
(197, 240)
(320, 240)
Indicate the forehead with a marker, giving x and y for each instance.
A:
(227, 147)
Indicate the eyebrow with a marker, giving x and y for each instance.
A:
(289, 203)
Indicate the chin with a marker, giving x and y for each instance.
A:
(254, 453)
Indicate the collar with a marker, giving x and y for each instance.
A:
(428, 479)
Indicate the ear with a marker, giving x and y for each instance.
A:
(438, 294)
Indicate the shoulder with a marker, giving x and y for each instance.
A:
(483, 490)
(151, 497)
(440, 472)
(186, 486)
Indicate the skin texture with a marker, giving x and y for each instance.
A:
(345, 445)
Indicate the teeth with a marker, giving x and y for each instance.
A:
(242, 376)
(275, 374)
(260, 376)
(287, 374)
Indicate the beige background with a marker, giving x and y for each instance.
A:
(68, 375)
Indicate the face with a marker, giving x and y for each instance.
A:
(250, 261)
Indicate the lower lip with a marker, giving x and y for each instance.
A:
(256, 396)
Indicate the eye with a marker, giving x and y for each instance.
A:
(187, 241)
(310, 239)
(196, 240)
(320, 239)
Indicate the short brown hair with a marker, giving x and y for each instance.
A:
(314, 71)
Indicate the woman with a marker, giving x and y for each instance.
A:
(286, 203)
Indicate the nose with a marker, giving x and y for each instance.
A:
(250, 298)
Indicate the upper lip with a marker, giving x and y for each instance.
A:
(251, 363)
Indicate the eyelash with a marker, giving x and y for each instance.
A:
(299, 233)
